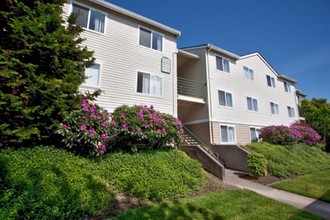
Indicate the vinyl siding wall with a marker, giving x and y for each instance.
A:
(122, 57)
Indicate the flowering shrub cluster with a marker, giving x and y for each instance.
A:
(86, 131)
(143, 125)
(284, 135)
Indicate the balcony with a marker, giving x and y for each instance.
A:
(191, 90)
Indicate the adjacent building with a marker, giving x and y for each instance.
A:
(223, 98)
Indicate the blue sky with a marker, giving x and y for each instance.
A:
(292, 35)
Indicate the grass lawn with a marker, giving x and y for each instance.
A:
(316, 185)
(232, 204)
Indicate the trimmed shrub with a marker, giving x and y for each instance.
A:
(86, 131)
(143, 125)
(304, 133)
(49, 183)
(257, 164)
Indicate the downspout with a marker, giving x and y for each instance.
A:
(175, 86)
(209, 95)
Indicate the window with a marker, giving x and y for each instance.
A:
(149, 84)
(227, 134)
(93, 75)
(270, 81)
(254, 134)
(88, 18)
(225, 98)
(287, 87)
(222, 64)
(151, 39)
(291, 111)
(274, 108)
(252, 104)
(249, 73)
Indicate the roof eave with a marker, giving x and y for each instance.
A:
(137, 17)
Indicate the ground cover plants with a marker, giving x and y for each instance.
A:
(288, 160)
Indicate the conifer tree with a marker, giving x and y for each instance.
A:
(41, 67)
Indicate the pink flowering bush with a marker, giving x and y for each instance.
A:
(284, 135)
(144, 126)
(86, 131)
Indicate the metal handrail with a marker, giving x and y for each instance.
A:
(191, 88)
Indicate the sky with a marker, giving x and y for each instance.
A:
(292, 35)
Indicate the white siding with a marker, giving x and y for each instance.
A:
(122, 57)
(240, 87)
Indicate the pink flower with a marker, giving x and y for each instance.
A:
(113, 122)
(98, 117)
(91, 132)
(105, 124)
(159, 131)
(65, 126)
(177, 122)
(124, 126)
(101, 149)
(139, 130)
(104, 136)
(82, 127)
(122, 114)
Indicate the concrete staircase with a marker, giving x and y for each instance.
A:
(196, 149)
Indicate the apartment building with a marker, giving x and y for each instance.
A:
(135, 56)
(239, 95)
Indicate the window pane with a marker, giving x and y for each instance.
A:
(229, 100)
(231, 134)
(255, 105)
(226, 65)
(82, 13)
(224, 134)
(157, 41)
(145, 37)
(273, 82)
(96, 21)
(253, 134)
(146, 83)
(268, 81)
(249, 103)
(92, 73)
(251, 74)
(140, 82)
(156, 86)
(222, 99)
(219, 63)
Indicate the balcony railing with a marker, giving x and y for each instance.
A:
(192, 88)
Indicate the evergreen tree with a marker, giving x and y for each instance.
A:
(41, 67)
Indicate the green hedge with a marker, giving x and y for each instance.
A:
(299, 159)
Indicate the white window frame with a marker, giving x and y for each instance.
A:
(291, 111)
(248, 73)
(287, 87)
(152, 33)
(234, 135)
(149, 93)
(224, 63)
(85, 84)
(256, 128)
(275, 108)
(90, 9)
(254, 108)
(271, 81)
(226, 102)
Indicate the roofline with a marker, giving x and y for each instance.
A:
(188, 55)
(213, 47)
(299, 92)
(287, 78)
(263, 59)
(136, 16)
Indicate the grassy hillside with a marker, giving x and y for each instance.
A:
(299, 159)
(48, 183)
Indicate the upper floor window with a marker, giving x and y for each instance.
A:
(287, 87)
(249, 73)
(227, 134)
(222, 64)
(270, 81)
(151, 39)
(291, 111)
(225, 98)
(93, 75)
(149, 84)
(89, 18)
(274, 108)
(252, 104)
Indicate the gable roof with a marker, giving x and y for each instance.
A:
(136, 16)
(214, 48)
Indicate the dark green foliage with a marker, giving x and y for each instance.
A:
(41, 68)
(298, 159)
(327, 135)
(48, 183)
(257, 164)
(154, 175)
(316, 112)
